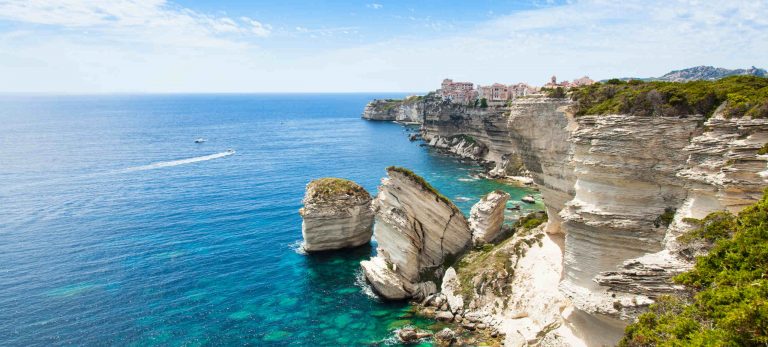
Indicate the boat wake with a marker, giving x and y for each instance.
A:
(152, 166)
(163, 164)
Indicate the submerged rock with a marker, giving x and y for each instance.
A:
(336, 214)
(445, 337)
(411, 335)
(487, 217)
(418, 231)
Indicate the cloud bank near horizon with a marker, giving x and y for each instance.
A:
(159, 46)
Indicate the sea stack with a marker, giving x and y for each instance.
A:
(487, 217)
(336, 214)
(418, 231)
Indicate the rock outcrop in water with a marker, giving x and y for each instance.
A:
(336, 214)
(418, 231)
(618, 190)
(487, 217)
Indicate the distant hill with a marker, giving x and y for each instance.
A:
(708, 73)
(701, 73)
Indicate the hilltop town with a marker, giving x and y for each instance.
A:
(499, 94)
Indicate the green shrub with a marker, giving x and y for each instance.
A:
(728, 305)
(332, 187)
(531, 220)
(745, 96)
(763, 150)
(665, 218)
(483, 103)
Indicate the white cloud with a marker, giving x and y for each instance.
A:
(598, 38)
(375, 6)
(139, 20)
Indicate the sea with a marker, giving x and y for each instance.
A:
(118, 229)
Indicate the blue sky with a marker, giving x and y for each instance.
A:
(95, 46)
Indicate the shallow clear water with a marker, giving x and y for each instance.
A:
(117, 229)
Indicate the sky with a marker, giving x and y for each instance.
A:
(188, 46)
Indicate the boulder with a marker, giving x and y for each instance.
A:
(384, 281)
(445, 316)
(487, 217)
(336, 214)
(445, 337)
(451, 290)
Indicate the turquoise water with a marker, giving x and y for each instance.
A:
(117, 229)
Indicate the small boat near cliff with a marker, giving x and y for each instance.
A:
(200, 140)
(528, 199)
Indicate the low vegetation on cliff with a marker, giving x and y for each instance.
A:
(492, 267)
(423, 183)
(331, 188)
(728, 302)
(745, 96)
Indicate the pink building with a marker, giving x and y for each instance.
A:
(494, 92)
(584, 81)
(458, 92)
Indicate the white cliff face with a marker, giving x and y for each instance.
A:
(417, 232)
(410, 110)
(722, 172)
(618, 189)
(625, 169)
(336, 214)
(529, 138)
(487, 217)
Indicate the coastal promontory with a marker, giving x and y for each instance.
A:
(336, 214)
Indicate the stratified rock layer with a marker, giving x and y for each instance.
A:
(336, 214)
(410, 110)
(487, 217)
(417, 231)
(619, 189)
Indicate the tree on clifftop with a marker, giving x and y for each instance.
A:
(483, 103)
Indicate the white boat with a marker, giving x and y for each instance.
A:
(230, 151)
(199, 140)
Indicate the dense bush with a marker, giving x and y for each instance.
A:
(531, 220)
(745, 96)
(728, 305)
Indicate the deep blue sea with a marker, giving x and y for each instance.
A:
(117, 229)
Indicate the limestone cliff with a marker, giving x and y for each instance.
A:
(487, 217)
(409, 110)
(336, 214)
(418, 231)
(617, 189)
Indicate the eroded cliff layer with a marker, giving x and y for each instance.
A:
(487, 217)
(619, 189)
(418, 231)
(336, 214)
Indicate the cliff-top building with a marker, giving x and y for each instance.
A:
(499, 93)
(584, 81)
(458, 92)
